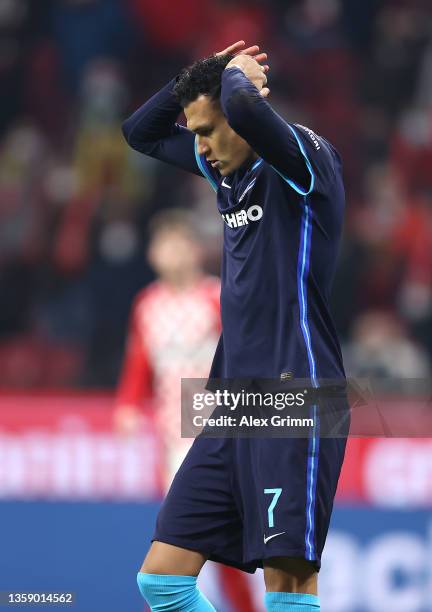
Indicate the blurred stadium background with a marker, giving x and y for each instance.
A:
(78, 499)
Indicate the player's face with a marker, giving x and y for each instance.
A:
(174, 254)
(223, 148)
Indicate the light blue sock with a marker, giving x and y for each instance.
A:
(291, 602)
(180, 593)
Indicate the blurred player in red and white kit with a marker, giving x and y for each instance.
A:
(174, 328)
(173, 331)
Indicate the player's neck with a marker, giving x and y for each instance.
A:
(183, 281)
(248, 163)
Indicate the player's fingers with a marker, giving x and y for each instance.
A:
(265, 68)
(250, 50)
(260, 57)
(265, 92)
(234, 48)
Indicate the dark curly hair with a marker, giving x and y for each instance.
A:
(203, 77)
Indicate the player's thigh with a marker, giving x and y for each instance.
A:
(290, 575)
(172, 560)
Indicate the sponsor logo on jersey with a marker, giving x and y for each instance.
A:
(311, 135)
(243, 217)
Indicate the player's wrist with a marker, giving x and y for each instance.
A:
(230, 66)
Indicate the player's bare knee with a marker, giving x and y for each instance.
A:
(172, 560)
(283, 574)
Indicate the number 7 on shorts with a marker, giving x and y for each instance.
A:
(276, 494)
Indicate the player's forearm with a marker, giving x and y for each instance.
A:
(154, 120)
(247, 112)
(252, 118)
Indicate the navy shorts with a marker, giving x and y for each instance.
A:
(242, 500)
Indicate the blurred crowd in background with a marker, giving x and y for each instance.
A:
(75, 201)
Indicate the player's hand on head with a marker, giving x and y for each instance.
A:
(253, 70)
(240, 51)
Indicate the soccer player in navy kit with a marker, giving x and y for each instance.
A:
(253, 502)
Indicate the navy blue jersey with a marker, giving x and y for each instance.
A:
(282, 216)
